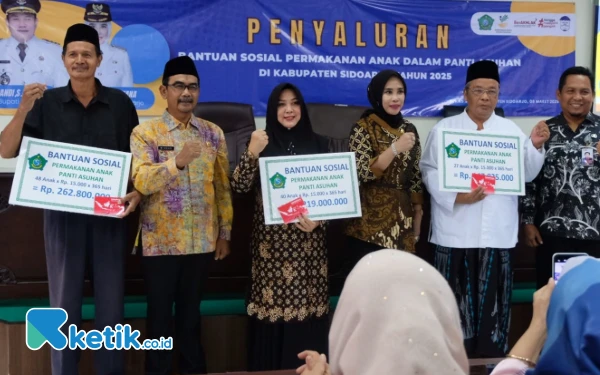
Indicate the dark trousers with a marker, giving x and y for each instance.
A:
(552, 245)
(73, 243)
(275, 346)
(179, 279)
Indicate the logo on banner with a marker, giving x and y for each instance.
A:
(37, 162)
(485, 22)
(525, 23)
(503, 22)
(278, 181)
(548, 23)
(565, 23)
(452, 150)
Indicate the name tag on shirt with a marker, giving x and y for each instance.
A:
(587, 156)
(166, 148)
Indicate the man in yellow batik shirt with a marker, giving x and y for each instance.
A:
(180, 165)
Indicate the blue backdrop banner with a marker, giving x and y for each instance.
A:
(329, 49)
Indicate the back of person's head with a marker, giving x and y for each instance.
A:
(396, 315)
(573, 322)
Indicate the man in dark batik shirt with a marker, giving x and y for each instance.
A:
(561, 208)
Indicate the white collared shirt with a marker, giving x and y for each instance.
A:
(115, 68)
(42, 63)
(492, 222)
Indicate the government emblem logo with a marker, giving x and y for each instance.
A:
(37, 162)
(485, 22)
(452, 151)
(278, 181)
(565, 23)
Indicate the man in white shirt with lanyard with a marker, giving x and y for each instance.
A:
(474, 233)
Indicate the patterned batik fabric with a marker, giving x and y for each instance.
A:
(182, 211)
(288, 266)
(564, 199)
(482, 281)
(387, 196)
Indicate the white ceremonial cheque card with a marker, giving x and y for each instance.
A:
(470, 158)
(66, 177)
(327, 183)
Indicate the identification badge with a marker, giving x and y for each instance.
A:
(587, 156)
(166, 148)
(292, 210)
(108, 206)
(487, 182)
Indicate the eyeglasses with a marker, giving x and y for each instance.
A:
(479, 92)
(192, 87)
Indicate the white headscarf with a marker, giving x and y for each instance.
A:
(396, 315)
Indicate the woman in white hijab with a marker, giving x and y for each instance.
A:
(396, 315)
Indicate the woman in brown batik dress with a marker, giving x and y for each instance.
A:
(387, 152)
(288, 301)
